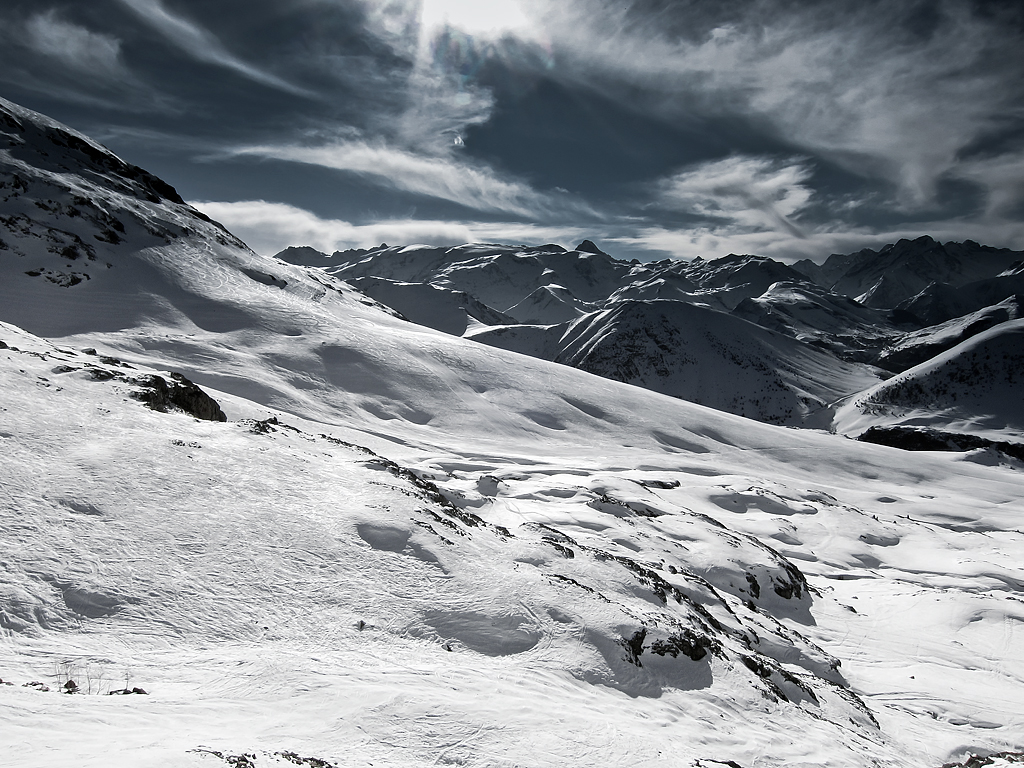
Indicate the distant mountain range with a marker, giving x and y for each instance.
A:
(745, 334)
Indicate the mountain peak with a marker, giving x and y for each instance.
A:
(588, 246)
(46, 144)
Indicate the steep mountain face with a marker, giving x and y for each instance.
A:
(732, 278)
(584, 278)
(720, 284)
(940, 302)
(42, 147)
(884, 278)
(84, 236)
(406, 548)
(499, 276)
(820, 318)
(834, 267)
(549, 305)
(919, 346)
(661, 280)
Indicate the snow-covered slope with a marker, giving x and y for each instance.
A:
(409, 549)
(940, 302)
(549, 291)
(278, 591)
(898, 271)
(919, 346)
(696, 354)
(650, 325)
(975, 387)
(550, 305)
(733, 278)
(439, 308)
(818, 317)
(89, 242)
(709, 359)
(718, 283)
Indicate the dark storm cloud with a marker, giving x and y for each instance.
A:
(686, 126)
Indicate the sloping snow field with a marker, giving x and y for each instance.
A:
(404, 548)
(975, 387)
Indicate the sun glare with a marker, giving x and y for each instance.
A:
(474, 17)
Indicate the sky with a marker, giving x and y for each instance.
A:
(656, 128)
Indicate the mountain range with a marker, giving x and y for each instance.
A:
(490, 505)
(787, 345)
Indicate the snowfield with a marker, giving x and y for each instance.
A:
(275, 590)
(406, 548)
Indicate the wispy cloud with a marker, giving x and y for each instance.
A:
(1002, 177)
(442, 177)
(849, 82)
(270, 227)
(75, 46)
(712, 243)
(491, 19)
(203, 45)
(47, 53)
(755, 193)
(446, 43)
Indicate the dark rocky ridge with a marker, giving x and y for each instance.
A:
(925, 439)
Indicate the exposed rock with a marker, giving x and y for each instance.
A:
(925, 439)
(588, 246)
(160, 395)
(634, 646)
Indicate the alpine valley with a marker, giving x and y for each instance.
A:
(495, 505)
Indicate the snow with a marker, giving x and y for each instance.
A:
(815, 316)
(921, 346)
(405, 548)
(238, 609)
(696, 354)
(901, 270)
(974, 387)
(940, 302)
(439, 308)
